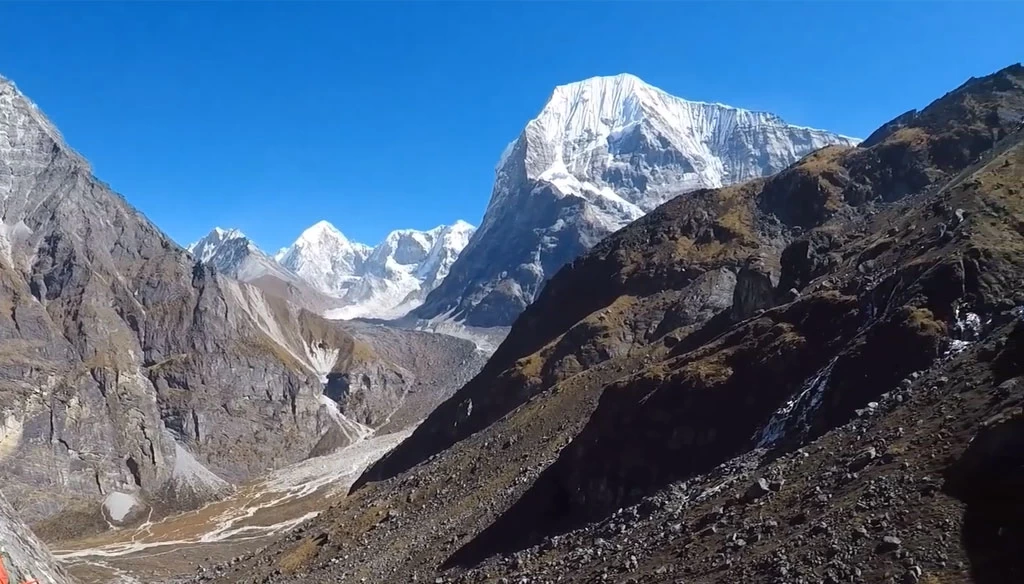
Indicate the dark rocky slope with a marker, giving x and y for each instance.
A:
(862, 305)
(674, 268)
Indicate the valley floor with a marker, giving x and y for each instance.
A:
(163, 550)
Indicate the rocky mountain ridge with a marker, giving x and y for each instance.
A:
(779, 382)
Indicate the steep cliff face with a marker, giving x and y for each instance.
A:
(128, 374)
(646, 428)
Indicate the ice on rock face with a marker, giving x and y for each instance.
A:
(601, 153)
(793, 415)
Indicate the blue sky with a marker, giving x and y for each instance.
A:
(270, 117)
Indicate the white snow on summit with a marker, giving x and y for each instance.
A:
(325, 258)
(601, 153)
(400, 271)
(386, 281)
(587, 124)
(206, 248)
(234, 254)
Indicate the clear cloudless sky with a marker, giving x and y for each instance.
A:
(384, 115)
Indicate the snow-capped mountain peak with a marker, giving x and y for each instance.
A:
(402, 269)
(585, 124)
(384, 281)
(234, 254)
(320, 232)
(227, 233)
(206, 247)
(325, 258)
(601, 153)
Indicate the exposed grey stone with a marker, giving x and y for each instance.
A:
(126, 367)
(24, 557)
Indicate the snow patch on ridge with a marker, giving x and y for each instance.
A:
(119, 505)
(323, 359)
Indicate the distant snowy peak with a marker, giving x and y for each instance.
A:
(586, 127)
(424, 252)
(449, 243)
(206, 248)
(234, 254)
(323, 232)
(384, 281)
(325, 258)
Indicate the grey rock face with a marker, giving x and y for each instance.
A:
(426, 369)
(24, 557)
(124, 366)
(602, 153)
(755, 288)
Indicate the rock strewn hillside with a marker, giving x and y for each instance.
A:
(828, 306)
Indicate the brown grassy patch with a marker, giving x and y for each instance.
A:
(299, 557)
(923, 322)
(826, 158)
(363, 352)
(531, 365)
(261, 346)
(912, 135)
(709, 371)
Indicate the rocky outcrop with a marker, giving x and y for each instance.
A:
(989, 471)
(755, 288)
(23, 558)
